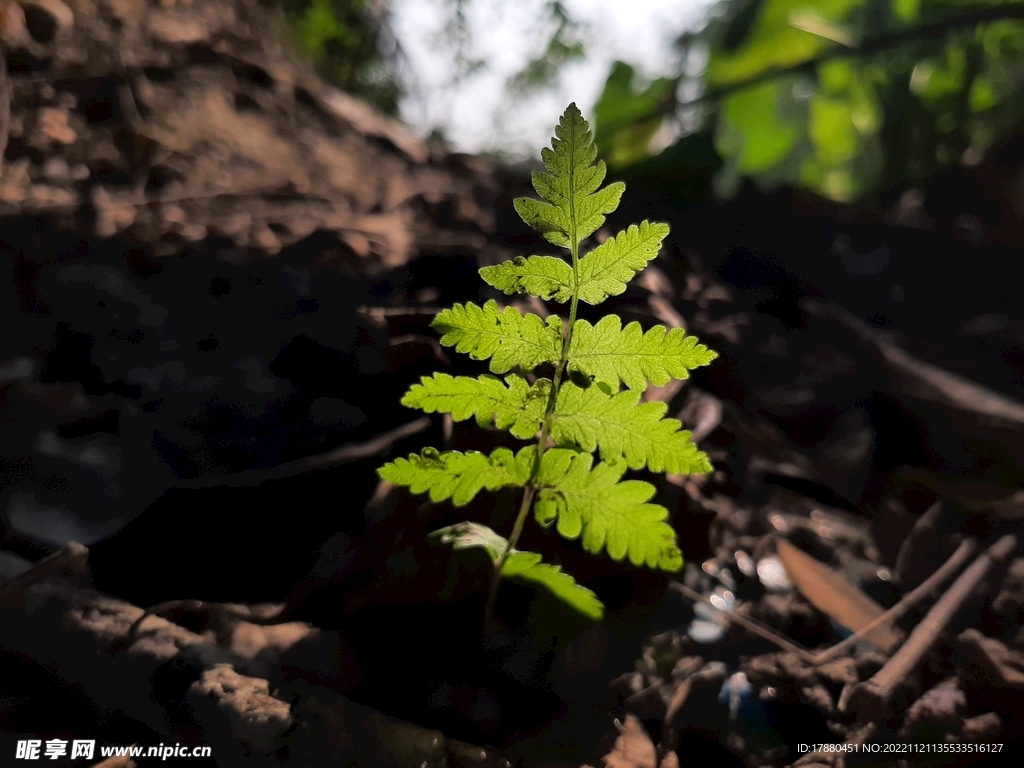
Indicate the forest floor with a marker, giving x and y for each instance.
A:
(745, 657)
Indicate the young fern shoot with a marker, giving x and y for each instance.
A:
(582, 409)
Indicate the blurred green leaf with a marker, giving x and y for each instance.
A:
(751, 130)
(350, 43)
(626, 118)
(939, 77)
(983, 95)
(906, 10)
(833, 134)
(320, 25)
(841, 96)
(776, 42)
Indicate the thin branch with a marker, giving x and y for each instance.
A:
(750, 625)
(875, 44)
(872, 699)
(956, 561)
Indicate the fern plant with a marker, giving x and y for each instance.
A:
(581, 409)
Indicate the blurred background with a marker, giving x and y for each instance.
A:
(848, 98)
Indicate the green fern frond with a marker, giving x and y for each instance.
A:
(575, 208)
(545, 277)
(523, 567)
(607, 352)
(506, 337)
(562, 485)
(459, 476)
(605, 270)
(619, 425)
(611, 514)
(517, 407)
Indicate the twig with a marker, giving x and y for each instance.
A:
(872, 699)
(750, 625)
(955, 562)
(924, 522)
(669, 736)
(924, 379)
(679, 698)
(157, 610)
(343, 455)
(219, 617)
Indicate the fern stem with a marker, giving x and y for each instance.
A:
(531, 487)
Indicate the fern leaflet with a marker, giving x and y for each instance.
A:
(607, 352)
(459, 476)
(506, 337)
(546, 277)
(605, 270)
(575, 206)
(619, 425)
(610, 513)
(517, 407)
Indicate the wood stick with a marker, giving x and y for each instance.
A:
(955, 562)
(872, 700)
(750, 625)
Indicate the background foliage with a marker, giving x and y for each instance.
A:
(350, 43)
(848, 98)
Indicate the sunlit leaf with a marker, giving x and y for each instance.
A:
(456, 475)
(511, 404)
(982, 95)
(608, 353)
(626, 117)
(610, 514)
(523, 567)
(574, 204)
(506, 337)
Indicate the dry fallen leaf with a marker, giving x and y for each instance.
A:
(832, 594)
